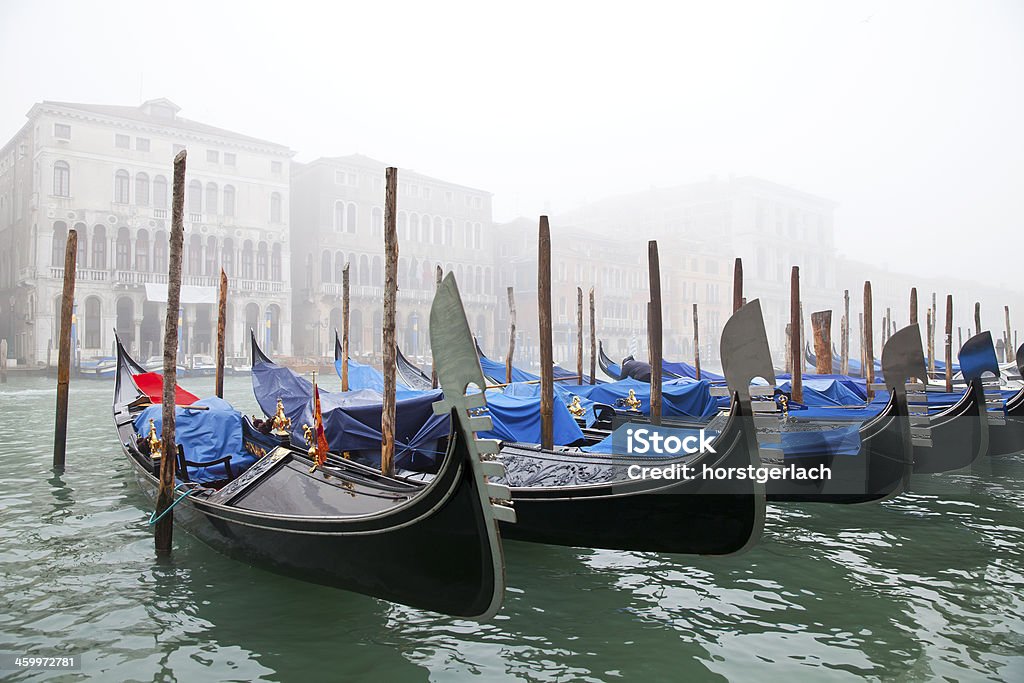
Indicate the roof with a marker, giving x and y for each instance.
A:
(368, 162)
(141, 115)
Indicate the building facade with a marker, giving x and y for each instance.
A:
(106, 172)
(338, 218)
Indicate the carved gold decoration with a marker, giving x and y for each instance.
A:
(156, 446)
(281, 423)
(632, 401)
(575, 408)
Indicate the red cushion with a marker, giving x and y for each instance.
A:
(152, 385)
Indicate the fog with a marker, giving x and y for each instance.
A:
(907, 116)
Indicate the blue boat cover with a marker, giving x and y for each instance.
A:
(826, 392)
(680, 397)
(838, 441)
(362, 376)
(206, 435)
(352, 419)
(687, 370)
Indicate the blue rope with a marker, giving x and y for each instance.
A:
(154, 518)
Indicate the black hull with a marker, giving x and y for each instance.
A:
(959, 435)
(695, 517)
(879, 471)
(433, 547)
(1008, 438)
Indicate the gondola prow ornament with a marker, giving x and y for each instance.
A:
(281, 423)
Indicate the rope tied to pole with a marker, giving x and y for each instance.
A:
(154, 518)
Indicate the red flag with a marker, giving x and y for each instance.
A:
(318, 427)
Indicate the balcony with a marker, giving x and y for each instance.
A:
(81, 274)
(255, 286)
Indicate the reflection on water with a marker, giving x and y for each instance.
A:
(930, 585)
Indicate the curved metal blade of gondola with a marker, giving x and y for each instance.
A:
(458, 369)
(978, 356)
(903, 358)
(257, 353)
(744, 351)
(339, 352)
(1020, 360)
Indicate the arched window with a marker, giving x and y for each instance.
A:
(402, 225)
(353, 271)
(275, 263)
(325, 267)
(377, 274)
(467, 237)
(61, 179)
(247, 260)
(212, 193)
(123, 250)
(83, 246)
(211, 256)
(227, 257)
(142, 189)
(339, 216)
(438, 231)
(479, 280)
(160, 244)
(142, 251)
(99, 247)
(160, 192)
(414, 274)
(350, 217)
(425, 232)
(364, 270)
(261, 262)
(91, 335)
(229, 200)
(476, 235)
(376, 221)
(449, 232)
(60, 239)
(339, 267)
(414, 227)
(275, 207)
(195, 255)
(194, 200)
(121, 191)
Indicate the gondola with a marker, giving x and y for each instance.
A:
(569, 497)
(1006, 436)
(434, 546)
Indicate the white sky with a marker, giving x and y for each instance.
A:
(908, 114)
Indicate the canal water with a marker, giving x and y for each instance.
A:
(928, 586)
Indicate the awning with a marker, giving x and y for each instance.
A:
(190, 294)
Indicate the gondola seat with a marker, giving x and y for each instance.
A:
(184, 464)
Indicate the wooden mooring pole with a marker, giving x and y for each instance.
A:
(3, 361)
(222, 318)
(737, 285)
(696, 343)
(789, 348)
(345, 313)
(1009, 347)
(164, 531)
(845, 343)
(387, 418)
(579, 335)
(547, 375)
(654, 329)
(67, 306)
(438, 276)
(977, 317)
(511, 334)
(930, 329)
(593, 340)
(913, 305)
(869, 340)
(949, 343)
(797, 357)
(821, 328)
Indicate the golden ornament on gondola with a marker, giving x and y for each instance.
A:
(575, 408)
(281, 423)
(632, 402)
(156, 446)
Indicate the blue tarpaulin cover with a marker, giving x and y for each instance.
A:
(352, 419)
(206, 435)
(680, 397)
(687, 370)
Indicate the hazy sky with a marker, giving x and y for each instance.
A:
(909, 114)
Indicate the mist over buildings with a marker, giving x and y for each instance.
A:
(863, 141)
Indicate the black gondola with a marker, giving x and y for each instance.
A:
(433, 546)
(1008, 437)
(569, 497)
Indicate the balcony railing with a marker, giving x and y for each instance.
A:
(257, 286)
(81, 274)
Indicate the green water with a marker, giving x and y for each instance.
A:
(928, 586)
